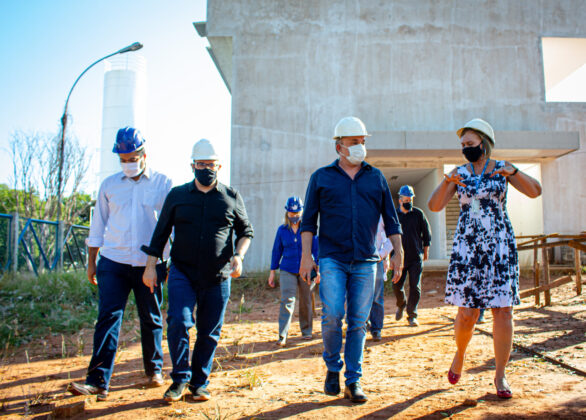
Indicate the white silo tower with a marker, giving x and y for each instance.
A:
(124, 105)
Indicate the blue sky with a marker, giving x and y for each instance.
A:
(45, 45)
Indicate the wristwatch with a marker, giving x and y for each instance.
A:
(238, 255)
(516, 170)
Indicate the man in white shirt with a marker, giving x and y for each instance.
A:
(377, 312)
(125, 215)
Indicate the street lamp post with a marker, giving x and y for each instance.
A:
(59, 242)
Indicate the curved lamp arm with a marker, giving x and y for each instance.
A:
(133, 47)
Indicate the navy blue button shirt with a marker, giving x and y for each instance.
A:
(287, 250)
(348, 210)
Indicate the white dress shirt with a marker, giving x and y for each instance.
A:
(126, 214)
(383, 243)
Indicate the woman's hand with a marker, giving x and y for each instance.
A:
(272, 278)
(505, 171)
(455, 177)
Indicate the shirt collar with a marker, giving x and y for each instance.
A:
(219, 186)
(336, 164)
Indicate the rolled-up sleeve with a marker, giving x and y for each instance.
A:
(242, 226)
(277, 251)
(311, 210)
(315, 250)
(99, 220)
(162, 230)
(390, 218)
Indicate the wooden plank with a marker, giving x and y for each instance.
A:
(545, 257)
(578, 246)
(546, 287)
(547, 244)
(578, 270)
(536, 277)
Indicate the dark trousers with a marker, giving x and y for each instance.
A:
(414, 270)
(211, 303)
(115, 281)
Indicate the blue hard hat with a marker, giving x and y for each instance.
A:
(294, 204)
(128, 140)
(406, 191)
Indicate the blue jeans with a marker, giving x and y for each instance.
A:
(115, 281)
(351, 284)
(211, 303)
(377, 313)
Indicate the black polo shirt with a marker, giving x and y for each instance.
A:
(205, 225)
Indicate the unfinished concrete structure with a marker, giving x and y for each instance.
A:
(413, 71)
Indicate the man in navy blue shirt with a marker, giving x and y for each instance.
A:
(349, 196)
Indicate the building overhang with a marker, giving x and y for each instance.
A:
(220, 51)
(444, 146)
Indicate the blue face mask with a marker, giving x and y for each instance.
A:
(294, 220)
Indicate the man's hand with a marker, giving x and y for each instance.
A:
(425, 253)
(397, 265)
(149, 278)
(91, 272)
(307, 264)
(272, 278)
(235, 266)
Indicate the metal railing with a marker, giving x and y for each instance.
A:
(30, 244)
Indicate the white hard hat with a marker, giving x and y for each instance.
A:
(350, 127)
(204, 150)
(478, 125)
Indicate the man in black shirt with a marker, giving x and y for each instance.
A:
(205, 215)
(416, 240)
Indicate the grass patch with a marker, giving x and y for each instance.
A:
(54, 303)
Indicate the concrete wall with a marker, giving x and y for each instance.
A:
(400, 65)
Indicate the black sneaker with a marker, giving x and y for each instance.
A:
(332, 383)
(376, 336)
(86, 389)
(399, 313)
(354, 393)
(413, 322)
(175, 392)
(200, 393)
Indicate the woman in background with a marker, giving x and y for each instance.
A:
(287, 256)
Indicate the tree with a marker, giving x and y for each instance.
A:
(35, 160)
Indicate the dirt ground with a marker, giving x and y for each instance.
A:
(404, 374)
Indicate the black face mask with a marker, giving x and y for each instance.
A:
(472, 153)
(205, 177)
(407, 206)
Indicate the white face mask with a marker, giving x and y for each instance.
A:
(132, 169)
(357, 153)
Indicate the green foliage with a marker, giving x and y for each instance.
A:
(77, 205)
(34, 307)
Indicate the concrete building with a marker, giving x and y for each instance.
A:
(414, 71)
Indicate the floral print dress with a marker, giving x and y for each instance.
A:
(484, 269)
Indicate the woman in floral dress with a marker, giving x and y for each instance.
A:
(484, 270)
